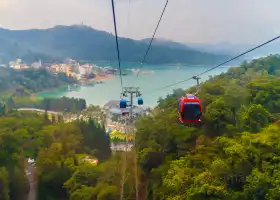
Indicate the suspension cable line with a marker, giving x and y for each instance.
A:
(150, 44)
(246, 52)
(117, 42)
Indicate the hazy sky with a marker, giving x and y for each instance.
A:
(205, 21)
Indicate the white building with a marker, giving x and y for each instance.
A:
(16, 66)
(37, 65)
(63, 68)
(82, 70)
(121, 147)
(85, 70)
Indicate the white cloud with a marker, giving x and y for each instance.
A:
(3, 3)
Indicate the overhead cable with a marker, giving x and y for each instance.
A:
(223, 63)
(150, 44)
(117, 42)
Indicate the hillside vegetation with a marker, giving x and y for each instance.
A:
(85, 43)
(234, 156)
(32, 80)
(59, 151)
(17, 89)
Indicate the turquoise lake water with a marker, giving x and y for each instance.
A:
(154, 78)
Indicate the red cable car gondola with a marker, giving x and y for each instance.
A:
(189, 110)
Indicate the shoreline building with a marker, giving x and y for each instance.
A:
(18, 64)
(85, 70)
(36, 65)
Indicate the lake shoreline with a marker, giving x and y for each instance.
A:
(79, 83)
(100, 94)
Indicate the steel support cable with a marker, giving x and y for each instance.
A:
(150, 44)
(119, 64)
(117, 42)
(128, 19)
(223, 63)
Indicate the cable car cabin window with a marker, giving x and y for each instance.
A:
(191, 111)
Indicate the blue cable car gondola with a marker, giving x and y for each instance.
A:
(140, 101)
(123, 103)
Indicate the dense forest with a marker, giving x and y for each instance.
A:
(32, 80)
(85, 43)
(64, 104)
(17, 89)
(236, 153)
(234, 156)
(59, 150)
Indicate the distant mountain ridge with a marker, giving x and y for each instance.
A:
(235, 49)
(85, 43)
(169, 43)
(223, 48)
(219, 48)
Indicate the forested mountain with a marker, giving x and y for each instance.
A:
(32, 80)
(235, 49)
(234, 156)
(85, 43)
(222, 48)
(167, 43)
(63, 145)
(225, 47)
